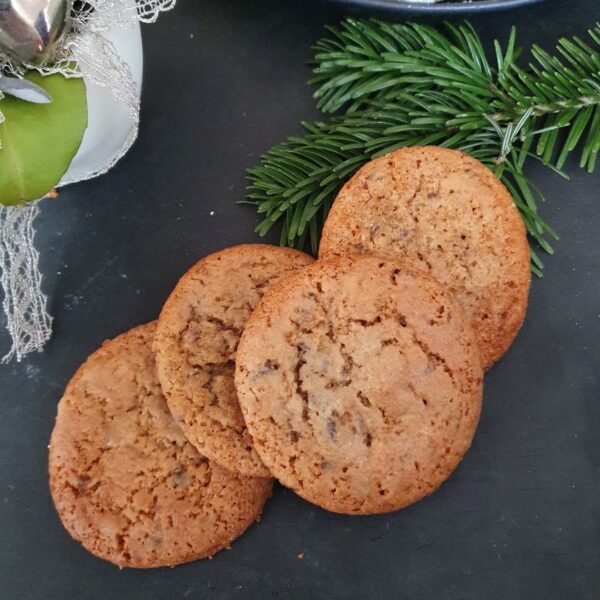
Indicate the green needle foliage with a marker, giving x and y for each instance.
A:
(396, 85)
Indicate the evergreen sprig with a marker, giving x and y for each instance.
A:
(396, 85)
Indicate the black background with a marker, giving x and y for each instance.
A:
(225, 79)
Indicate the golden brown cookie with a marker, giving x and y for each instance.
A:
(125, 481)
(447, 214)
(196, 341)
(360, 380)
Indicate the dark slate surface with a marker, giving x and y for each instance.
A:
(521, 516)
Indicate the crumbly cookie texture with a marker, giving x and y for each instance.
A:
(448, 215)
(360, 380)
(124, 479)
(196, 342)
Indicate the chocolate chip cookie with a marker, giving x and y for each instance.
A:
(196, 342)
(447, 214)
(125, 481)
(360, 381)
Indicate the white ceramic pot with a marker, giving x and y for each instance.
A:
(109, 123)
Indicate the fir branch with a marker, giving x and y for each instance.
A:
(563, 91)
(409, 84)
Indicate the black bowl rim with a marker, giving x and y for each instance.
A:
(466, 7)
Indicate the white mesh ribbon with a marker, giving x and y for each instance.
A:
(24, 303)
(27, 320)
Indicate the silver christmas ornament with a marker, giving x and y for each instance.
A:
(30, 29)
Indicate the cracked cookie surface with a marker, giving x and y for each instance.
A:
(125, 481)
(360, 380)
(448, 215)
(196, 342)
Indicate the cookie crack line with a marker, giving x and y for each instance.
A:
(215, 369)
(411, 200)
(197, 317)
(349, 363)
(367, 323)
(237, 331)
(433, 357)
(304, 395)
(413, 390)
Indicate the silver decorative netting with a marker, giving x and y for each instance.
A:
(24, 303)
